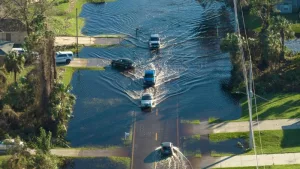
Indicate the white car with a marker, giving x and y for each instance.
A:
(154, 41)
(18, 50)
(8, 143)
(147, 101)
(64, 57)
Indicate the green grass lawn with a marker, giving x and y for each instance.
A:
(103, 162)
(277, 141)
(214, 120)
(279, 106)
(24, 72)
(67, 72)
(268, 167)
(190, 121)
(191, 146)
(3, 158)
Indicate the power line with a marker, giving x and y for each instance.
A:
(251, 136)
(253, 86)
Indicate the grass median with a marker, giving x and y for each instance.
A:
(190, 121)
(273, 142)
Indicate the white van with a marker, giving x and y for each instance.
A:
(64, 57)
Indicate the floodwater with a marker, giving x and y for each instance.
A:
(190, 66)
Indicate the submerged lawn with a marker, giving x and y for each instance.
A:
(276, 141)
(191, 146)
(65, 19)
(277, 106)
(67, 72)
(268, 167)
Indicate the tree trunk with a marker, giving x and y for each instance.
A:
(282, 53)
(15, 76)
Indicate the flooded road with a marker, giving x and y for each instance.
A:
(190, 66)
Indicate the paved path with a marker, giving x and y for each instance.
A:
(89, 62)
(228, 127)
(247, 160)
(77, 152)
(83, 40)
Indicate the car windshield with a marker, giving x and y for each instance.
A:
(146, 97)
(126, 61)
(149, 75)
(166, 148)
(154, 39)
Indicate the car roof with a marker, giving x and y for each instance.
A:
(17, 49)
(166, 144)
(149, 71)
(64, 52)
(147, 94)
(126, 60)
(155, 35)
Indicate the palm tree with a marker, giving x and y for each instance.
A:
(281, 25)
(14, 63)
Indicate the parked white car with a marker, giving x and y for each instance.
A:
(154, 41)
(64, 57)
(147, 101)
(8, 143)
(18, 50)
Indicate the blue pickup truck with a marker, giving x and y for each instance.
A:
(149, 78)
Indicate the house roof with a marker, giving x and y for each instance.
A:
(5, 47)
(11, 25)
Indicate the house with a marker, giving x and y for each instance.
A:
(5, 48)
(12, 30)
(289, 6)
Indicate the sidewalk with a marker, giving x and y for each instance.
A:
(84, 40)
(228, 127)
(89, 62)
(247, 160)
(77, 152)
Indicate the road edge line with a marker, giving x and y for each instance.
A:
(133, 139)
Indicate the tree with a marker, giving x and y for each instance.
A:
(263, 9)
(283, 26)
(20, 96)
(14, 63)
(3, 79)
(43, 161)
(60, 109)
(231, 44)
(43, 142)
(9, 118)
(27, 11)
(3, 76)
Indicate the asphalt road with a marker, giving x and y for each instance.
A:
(150, 131)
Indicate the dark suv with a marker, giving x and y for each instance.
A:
(125, 64)
(167, 149)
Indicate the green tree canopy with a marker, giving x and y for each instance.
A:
(283, 26)
(14, 62)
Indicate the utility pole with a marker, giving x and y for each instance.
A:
(77, 33)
